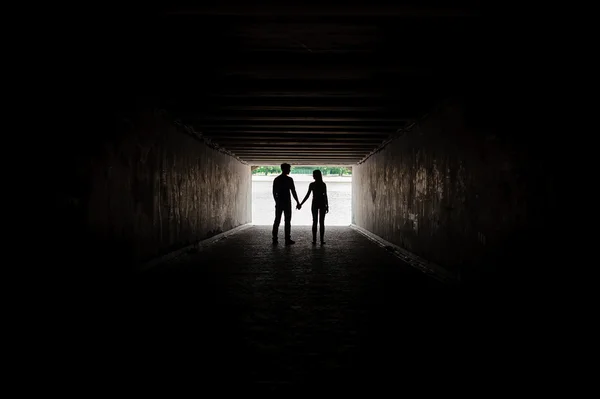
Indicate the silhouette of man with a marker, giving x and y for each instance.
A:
(282, 185)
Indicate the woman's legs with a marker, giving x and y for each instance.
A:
(318, 215)
(315, 213)
(322, 224)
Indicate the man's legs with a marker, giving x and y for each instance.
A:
(287, 212)
(278, 211)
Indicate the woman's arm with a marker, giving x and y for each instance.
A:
(310, 187)
(326, 200)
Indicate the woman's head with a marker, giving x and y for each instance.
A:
(317, 175)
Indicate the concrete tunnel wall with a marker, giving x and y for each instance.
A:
(150, 189)
(458, 191)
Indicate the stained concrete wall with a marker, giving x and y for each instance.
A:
(460, 190)
(143, 187)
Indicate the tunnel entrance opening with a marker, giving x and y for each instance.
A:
(339, 193)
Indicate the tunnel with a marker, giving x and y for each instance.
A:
(453, 191)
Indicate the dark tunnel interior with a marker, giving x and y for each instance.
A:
(435, 107)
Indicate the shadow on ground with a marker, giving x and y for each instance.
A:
(246, 315)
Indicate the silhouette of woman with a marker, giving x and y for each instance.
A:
(320, 204)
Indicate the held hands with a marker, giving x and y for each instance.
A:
(299, 206)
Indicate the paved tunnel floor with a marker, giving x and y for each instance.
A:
(246, 314)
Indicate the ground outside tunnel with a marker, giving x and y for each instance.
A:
(285, 318)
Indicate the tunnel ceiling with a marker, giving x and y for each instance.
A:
(308, 85)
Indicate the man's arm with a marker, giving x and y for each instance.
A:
(275, 190)
(293, 188)
(326, 200)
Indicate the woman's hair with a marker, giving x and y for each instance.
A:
(317, 175)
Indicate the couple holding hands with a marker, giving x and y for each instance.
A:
(283, 185)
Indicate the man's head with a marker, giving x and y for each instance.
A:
(285, 168)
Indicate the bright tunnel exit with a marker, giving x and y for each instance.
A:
(339, 192)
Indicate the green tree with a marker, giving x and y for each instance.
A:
(306, 170)
(266, 170)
